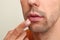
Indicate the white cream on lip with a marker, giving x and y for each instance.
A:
(27, 23)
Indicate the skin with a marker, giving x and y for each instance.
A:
(18, 33)
(50, 9)
(45, 29)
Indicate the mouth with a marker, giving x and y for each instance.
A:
(35, 17)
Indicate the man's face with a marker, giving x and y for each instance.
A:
(42, 13)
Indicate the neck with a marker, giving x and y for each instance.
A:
(52, 34)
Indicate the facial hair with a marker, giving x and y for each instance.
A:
(48, 22)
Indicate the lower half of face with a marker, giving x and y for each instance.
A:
(45, 23)
(51, 9)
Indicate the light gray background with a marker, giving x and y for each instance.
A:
(10, 16)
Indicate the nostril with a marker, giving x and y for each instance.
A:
(35, 4)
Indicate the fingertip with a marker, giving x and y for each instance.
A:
(27, 22)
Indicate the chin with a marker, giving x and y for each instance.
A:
(39, 27)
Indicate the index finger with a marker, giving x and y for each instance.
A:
(20, 29)
(23, 25)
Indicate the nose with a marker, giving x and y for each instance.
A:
(34, 2)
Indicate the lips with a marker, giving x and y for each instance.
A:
(35, 17)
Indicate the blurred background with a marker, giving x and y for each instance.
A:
(10, 16)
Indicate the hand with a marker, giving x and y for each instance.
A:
(18, 33)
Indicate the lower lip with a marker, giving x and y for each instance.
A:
(35, 19)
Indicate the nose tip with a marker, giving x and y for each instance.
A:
(33, 2)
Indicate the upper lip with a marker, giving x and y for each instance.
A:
(34, 15)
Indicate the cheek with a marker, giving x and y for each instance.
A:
(25, 6)
(49, 6)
